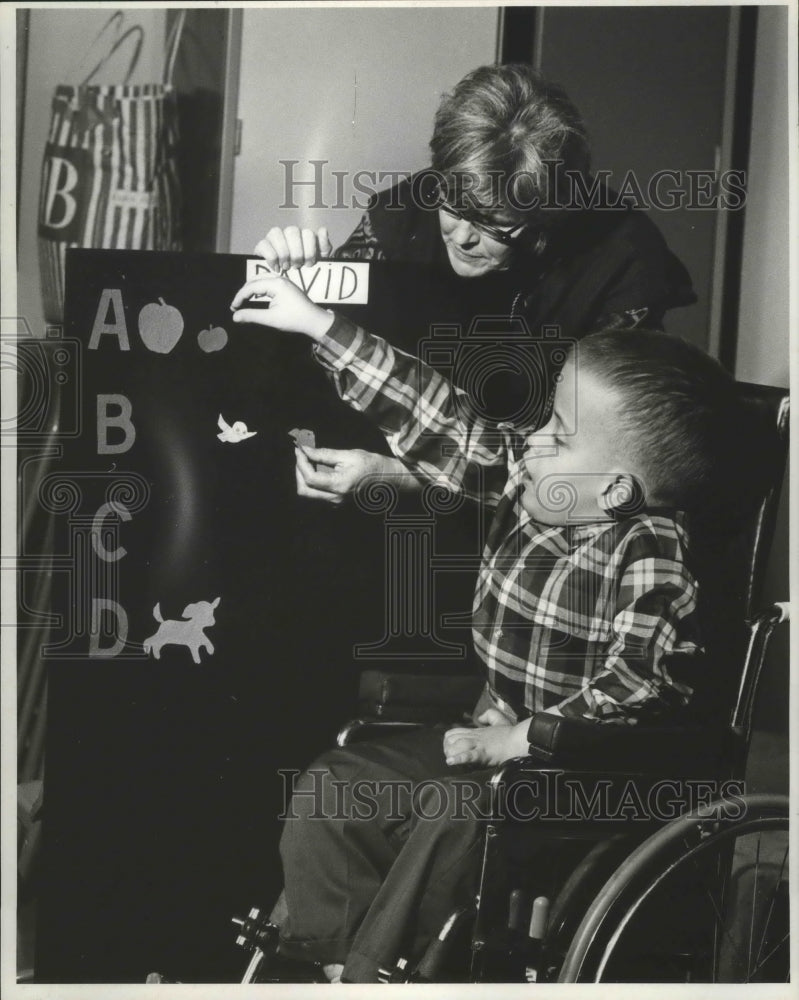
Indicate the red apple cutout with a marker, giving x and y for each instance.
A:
(213, 338)
(160, 326)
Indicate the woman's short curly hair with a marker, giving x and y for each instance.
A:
(498, 135)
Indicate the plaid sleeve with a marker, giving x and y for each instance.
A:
(422, 415)
(655, 617)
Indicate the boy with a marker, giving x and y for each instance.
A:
(583, 596)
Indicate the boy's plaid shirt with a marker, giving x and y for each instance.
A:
(583, 618)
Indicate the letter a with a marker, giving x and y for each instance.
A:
(118, 327)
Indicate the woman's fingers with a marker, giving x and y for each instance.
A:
(310, 247)
(296, 253)
(275, 249)
(325, 246)
(265, 249)
(294, 247)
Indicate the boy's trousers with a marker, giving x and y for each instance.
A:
(386, 843)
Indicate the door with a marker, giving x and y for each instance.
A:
(651, 84)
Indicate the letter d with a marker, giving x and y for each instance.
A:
(347, 271)
(99, 605)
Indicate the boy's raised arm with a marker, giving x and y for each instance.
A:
(423, 416)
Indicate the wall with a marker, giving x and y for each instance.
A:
(765, 276)
(764, 328)
(58, 52)
(651, 91)
(356, 87)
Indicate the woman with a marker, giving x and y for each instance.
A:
(509, 194)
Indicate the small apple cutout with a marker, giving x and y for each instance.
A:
(211, 339)
(160, 326)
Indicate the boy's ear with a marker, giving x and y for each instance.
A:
(623, 492)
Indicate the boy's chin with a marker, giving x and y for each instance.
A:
(539, 513)
(568, 515)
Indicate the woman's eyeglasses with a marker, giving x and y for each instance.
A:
(502, 234)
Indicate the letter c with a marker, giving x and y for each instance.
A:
(97, 526)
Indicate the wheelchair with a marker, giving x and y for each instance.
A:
(694, 889)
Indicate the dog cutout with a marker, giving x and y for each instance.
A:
(188, 632)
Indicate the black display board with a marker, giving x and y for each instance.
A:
(162, 774)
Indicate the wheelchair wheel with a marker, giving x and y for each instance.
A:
(705, 899)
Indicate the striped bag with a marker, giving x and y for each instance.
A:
(109, 174)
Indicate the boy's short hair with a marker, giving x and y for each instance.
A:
(680, 415)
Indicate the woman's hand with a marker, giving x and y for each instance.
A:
(293, 247)
(289, 309)
(333, 473)
(492, 743)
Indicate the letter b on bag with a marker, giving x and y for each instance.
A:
(63, 178)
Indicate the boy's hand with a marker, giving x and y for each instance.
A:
(333, 473)
(289, 309)
(293, 247)
(488, 745)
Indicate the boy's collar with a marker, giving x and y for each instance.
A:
(618, 517)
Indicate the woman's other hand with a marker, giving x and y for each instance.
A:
(293, 247)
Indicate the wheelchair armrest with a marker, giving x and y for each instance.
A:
(417, 697)
(667, 750)
(357, 730)
(774, 614)
(394, 701)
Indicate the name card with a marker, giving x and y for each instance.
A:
(328, 281)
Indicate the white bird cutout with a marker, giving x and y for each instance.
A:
(235, 433)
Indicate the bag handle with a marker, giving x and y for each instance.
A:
(172, 46)
(116, 19)
(136, 30)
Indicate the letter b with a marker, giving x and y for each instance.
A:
(62, 178)
(120, 420)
